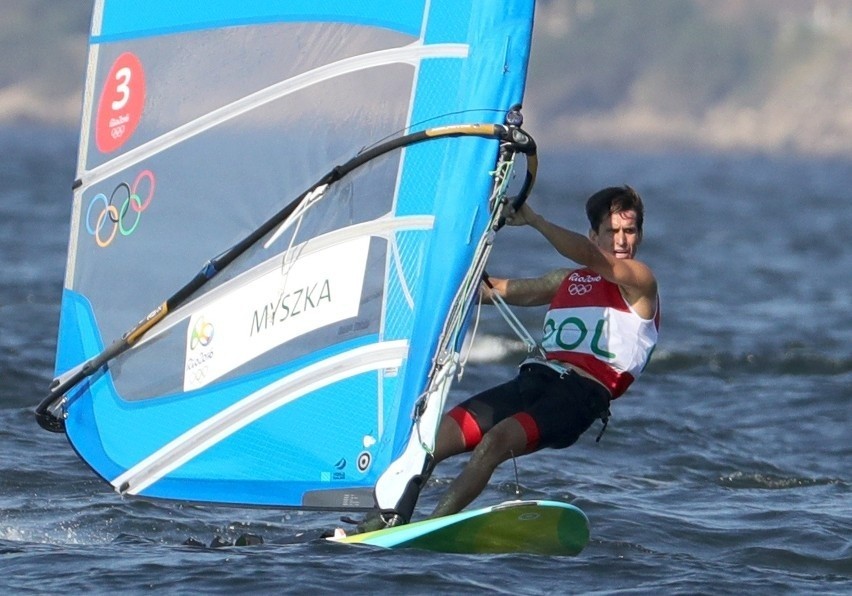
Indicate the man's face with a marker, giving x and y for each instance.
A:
(618, 235)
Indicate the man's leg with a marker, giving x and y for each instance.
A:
(506, 439)
(450, 440)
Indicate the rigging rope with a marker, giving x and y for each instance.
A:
(515, 324)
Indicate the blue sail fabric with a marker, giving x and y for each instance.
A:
(293, 377)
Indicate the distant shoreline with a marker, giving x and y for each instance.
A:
(724, 128)
(783, 91)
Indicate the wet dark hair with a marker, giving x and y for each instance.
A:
(614, 199)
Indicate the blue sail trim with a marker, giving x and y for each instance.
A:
(133, 20)
(79, 336)
(495, 71)
(166, 418)
(261, 472)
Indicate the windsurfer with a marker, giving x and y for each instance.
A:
(599, 332)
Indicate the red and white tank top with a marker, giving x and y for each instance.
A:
(591, 326)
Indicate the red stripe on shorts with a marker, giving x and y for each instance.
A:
(530, 428)
(469, 427)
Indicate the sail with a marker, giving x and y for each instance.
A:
(327, 176)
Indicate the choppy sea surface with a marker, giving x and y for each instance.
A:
(726, 469)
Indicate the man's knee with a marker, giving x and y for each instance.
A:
(493, 448)
(505, 440)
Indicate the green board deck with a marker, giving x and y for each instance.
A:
(539, 527)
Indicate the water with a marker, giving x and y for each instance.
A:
(726, 469)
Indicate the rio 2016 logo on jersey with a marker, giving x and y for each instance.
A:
(584, 279)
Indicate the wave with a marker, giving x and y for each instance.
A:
(770, 360)
(768, 481)
(792, 362)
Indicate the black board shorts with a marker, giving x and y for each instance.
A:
(554, 409)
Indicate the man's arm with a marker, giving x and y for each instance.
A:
(525, 292)
(627, 273)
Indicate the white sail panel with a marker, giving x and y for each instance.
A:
(306, 293)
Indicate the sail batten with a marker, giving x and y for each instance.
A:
(337, 171)
(159, 17)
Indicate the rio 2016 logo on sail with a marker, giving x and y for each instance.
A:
(202, 334)
(115, 219)
(197, 364)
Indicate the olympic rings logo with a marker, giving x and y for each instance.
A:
(579, 289)
(199, 374)
(117, 216)
(202, 334)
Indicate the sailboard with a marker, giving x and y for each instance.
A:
(302, 197)
(533, 527)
